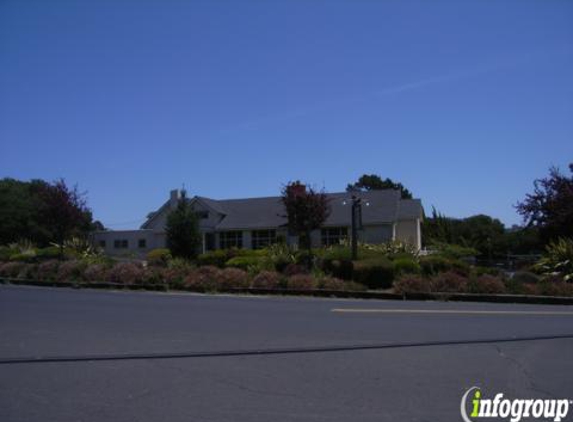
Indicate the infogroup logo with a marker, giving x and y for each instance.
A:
(516, 409)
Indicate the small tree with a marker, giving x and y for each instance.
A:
(306, 210)
(550, 206)
(369, 182)
(182, 230)
(64, 212)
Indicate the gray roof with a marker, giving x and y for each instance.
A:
(379, 207)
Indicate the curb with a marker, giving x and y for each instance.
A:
(443, 297)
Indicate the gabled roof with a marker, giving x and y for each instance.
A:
(379, 207)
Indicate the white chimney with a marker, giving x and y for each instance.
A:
(174, 196)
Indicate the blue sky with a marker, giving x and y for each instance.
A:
(465, 102)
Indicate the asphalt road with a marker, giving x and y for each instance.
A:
(77, 355)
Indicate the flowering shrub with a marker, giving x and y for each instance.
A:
(331, 283)
(48, 270)
(302, 282)
(96, 272)
(448, 282)
(488, 284)
(267, 280)
(412, 284)
(233, 278)
(126, 273)
(154, 275)
(11, 269)
(71, 271)
(295, 269)
(203, 278)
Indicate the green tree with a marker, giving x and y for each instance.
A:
(41, 212)
(182, 230)
(306, 210)
(368, 182)
(550, 206)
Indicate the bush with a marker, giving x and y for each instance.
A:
(331, 283)
(158, 257)
(523, 277)
(11, 269)
(51, 252)
(28, 272)
(488, 284)
(96, 272)
(412, 284)
(406, 266)
(449, 282)
(230, 278)
(71, 271)
(487, 270)
(26, 256)
(302, 282)
(267, 280)
(203, 279)
(295, 269)
(244, 262)
(154, 275)
(304, 258)
(374, 273)
(434, 264)
(48, 270)
(5, 253)
(126, 273)
(340, 268)
(216, 258)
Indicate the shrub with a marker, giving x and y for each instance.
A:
(96, 272)
(412, 284)
(244, 262)
(302, 282)
(304, 258)
(158, 257)
(28, 272)
(71, 271)
(48, 270)
(216, 258)
(374, 273)
(449, 282)
(11, 269)
(295, 269)
(434, 264)
(488, 284)
(267, 280)
(126, 273)
(406, 266)
(233, 278)
(154, 275)
(331, 283)
(557, 259)
(340, 268)
(5, 253)
(487, 270)
(203, 278)
(51, 252)
(525, 277)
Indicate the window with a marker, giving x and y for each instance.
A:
(142, 243)
(263, 238)
(101, 244)
(230, 240)
(120, 244)
(333, 235)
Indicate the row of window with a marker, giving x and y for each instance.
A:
(263, 238)
(123, 244)
(259, 238)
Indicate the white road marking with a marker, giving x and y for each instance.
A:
(446, 311)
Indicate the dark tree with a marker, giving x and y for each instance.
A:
(369, 182)
(306, 210)
(182, 230)
(64, 211)
(550, 206)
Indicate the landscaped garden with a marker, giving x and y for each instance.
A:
(392, 268)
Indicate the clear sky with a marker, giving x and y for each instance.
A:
(464, 102)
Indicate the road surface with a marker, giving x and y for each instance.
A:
(80, 355)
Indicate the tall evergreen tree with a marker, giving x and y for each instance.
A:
(182, 230)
